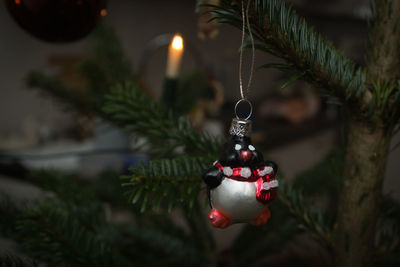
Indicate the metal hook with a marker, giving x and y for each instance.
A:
(251, 108)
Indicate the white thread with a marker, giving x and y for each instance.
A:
(245, 18)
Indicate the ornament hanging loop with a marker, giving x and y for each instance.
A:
(243, 100)
(244, 92)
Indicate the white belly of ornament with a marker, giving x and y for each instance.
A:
(237, 200)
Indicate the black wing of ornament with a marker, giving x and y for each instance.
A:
(213, 177)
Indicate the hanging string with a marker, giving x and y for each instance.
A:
(244, 92)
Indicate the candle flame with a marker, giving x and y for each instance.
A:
(177, 42)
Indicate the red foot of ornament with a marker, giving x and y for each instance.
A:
(262, 218)
(219, 219)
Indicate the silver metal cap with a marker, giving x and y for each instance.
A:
(240, 127)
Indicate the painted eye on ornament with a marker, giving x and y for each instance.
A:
(238, 147)
(251, 148)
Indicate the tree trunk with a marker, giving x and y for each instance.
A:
(368, 147)
(367, 152)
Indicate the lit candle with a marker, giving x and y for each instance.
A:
(175, 52)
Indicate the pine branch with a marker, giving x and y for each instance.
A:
(390, 209)
(314, 222)
(389, 231)
(329, 169)
(8, 214)
(72, 231)
(12, 260)
(50, 233)
(388, 246)
(309, 183)
(106, 66)
(66, 228)
(156, 234)
(255, 244)
(389, 240)
(171, 248)
(130, 108)
(323, 180)
(282, 33)
(72, 195)
(49, 86)
(166, 182)
(385, 103)
(200, 230)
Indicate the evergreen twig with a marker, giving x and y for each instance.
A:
(315, 222)
(52, 87)
(106, 66)
(130, 108)
(13, 260)
(282, 33)
(51, 233)
(166, 182)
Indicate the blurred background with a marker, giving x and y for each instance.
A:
(292, 126)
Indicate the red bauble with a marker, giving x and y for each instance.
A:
(57, 20)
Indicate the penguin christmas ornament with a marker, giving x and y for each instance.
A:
(240, 183)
